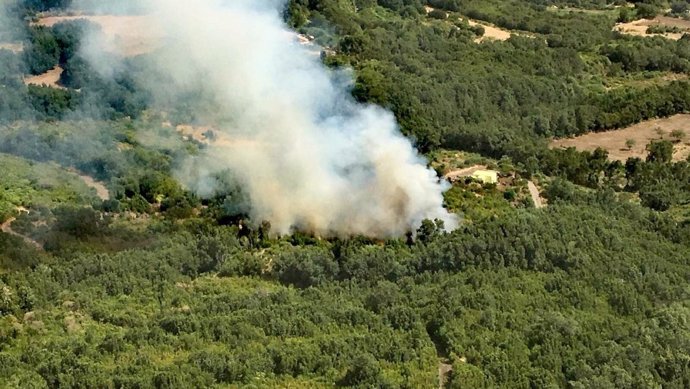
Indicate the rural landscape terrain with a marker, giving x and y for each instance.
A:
(345, 193)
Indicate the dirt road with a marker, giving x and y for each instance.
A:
(101, 191)
(444, 370)
(6, 227)
(536, 196)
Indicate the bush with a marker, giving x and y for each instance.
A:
(438, 14)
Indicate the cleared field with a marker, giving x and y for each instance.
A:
(640, 134)
(132, 35)
(639, 27)
(127, 35)
(49, 78)
(491, 32)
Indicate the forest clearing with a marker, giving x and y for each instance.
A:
(127, 35)
(51, 78)
(640, 27)
(637, 137)
(490, 32)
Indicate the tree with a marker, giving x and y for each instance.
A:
(678, 135)
(630, 143)
(660, 131)
(646, 11)
(679, 7)
(625, 15)
(364, 373)
(660, 151)
(438, 14)
(79, 222)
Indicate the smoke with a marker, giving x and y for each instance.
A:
(10, 27)
(286, 129)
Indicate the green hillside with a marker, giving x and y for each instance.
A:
(158, 285)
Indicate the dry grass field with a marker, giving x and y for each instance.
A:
(639, 135)
(49, 78)
(127, 35)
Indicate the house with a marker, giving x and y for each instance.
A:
(486, 176)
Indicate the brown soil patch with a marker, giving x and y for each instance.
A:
(490, 32)
(639, 27)
(444, 370)
(100, 188)
(127, 35)
(536, 196)
(49, 78)
(13, 47)
(101, 191)
(641, 133)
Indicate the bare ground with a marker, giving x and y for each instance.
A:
(641, 133)
(13, 47)
(639, 27)
(444, 370)
(100, 188)
(536, 196)
(127, 35)
(49, 78)
(101, 191)
(491, 32)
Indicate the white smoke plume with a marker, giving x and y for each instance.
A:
(305, 153)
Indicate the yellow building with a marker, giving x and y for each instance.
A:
(486, 176)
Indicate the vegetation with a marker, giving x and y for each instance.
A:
(155, 288)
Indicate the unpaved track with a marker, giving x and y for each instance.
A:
(7, 228)
(101, 191)
(536, 196)
(444, 370)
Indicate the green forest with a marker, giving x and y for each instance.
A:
(150, 285)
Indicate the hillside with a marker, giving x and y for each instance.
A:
(191, 197)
